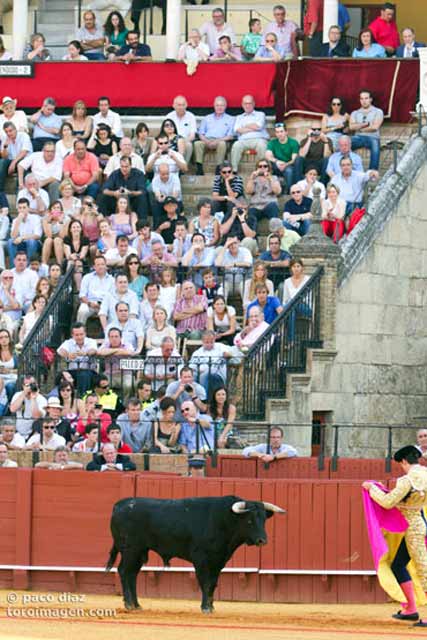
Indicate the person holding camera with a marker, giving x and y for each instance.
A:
(227, 189)
(241, 225)
(125, 181)
(185, 389)
(315, 150)
(27, 405)
(263, 187)
(164, 154)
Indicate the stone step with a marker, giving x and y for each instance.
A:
(61, 18)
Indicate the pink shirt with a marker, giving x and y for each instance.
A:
(196, 322)
(252, 336)
(81, 171)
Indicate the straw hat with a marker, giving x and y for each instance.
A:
(7, 99)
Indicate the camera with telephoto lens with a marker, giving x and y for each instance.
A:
(33, 387)
(188, 388)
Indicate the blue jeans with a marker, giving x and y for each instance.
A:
(359, 141)
(302, 310)
(94, 56)
(288, 173)
(302, 229)
(92, 190)
(351, 206)
(30, 247)
(210, 382)
(271, 210)
(4, 166)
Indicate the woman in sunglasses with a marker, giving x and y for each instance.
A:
(176, 142)
(335, 121)
(263, 188)
(137, 281)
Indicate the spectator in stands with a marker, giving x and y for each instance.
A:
(182, 241)
(5, 321)
(240, 225)
(80, 121)
(205, 223)
(107, 116)
(36, 265)
(44, 287)
(251, 41)
(133, 50)
(333, 213)
(14, 146)
(335, 121)
(297, 215)
(190, 312)
(8, 368)
(36, 50)
(123, 221)
(46, 167)
(91, 37)
(367, 47)
(186, 124)
(409, 48)
(158, 260)
(145, 394)
(4, 54)
(74, 52)
(130, 327)
(226, 51)
(385, 30)
(169, 290)
(114, 434)
(26, 231)
(263, 188)
(291, 288)
(287, 237)
(60, 462)
(197, 432)
(115, 32)
(211, 287)
(159, 329)
(254, 329)
(46, 125)
(164, 185)
(169, 220)
(194, 49)
(166, 430)
(54, 274)
(227, 189)
(94, 287)
(314, 151)
(142, 141)
(162, 362)
(4, 227)
(82, 168)
(165, 155)
(270, 51)
(269, 305)
(37, 197)
(222, 320)
(70, 203)
(76, 250)
(259, 276)
(120, 293)
(336, 47)
(275, 450)
(137, 281)
(8, 113)
(54, 230)
(311, 182)
(185, 389)
(343, 151)
(284, 30)
(125, 181)
(11, 299)
(112, 350)
(223, 413)
(313, 26)
(282, 153)
(146, 308)
(10, 437)
(62, 425)
(351, 184)
(421, 442)
(5, 461)
(103, 145)
(110, 460)
(126, 151)
(24, 280)
(78, 351)
(198, 257)
(275, 257)
(68, 400)
(216, 28)
(28, 405)
(107, 237)
(103, 397)
(90, 218)
(209, 363)
(366, 124)
(236, 261)
(251, 131)
(215, 131)
(93, 412)
(136, 432)
(65, 144)
(176, 141)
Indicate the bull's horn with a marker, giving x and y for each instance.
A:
(239, 507)
(272, 507)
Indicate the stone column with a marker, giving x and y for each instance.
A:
(173, 29)
(20, 21)
(330, 16)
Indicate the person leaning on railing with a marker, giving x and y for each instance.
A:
(275, 450)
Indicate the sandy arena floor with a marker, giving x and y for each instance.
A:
(40, 615)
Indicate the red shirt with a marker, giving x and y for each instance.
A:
(105, 422)
(124, 448)
(81, 171)
(385, 33)
(314, 13)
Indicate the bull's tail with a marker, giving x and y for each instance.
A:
(113, 555)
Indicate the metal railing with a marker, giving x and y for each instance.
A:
(49, 329)
(282, 349)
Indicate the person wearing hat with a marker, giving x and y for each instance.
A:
(54, 412)
(10, 114)
(410, 498)
(287, 236)
(168, 220)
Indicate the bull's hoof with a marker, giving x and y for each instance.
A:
(207, 609)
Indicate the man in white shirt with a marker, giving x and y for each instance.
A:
(351, 184)
(162, 364)
(93, 288)
(4, 457)
(209, 362)
(78, 351)
(26, 231)
(237, 262)
(37, 197)
(126, 149)
(116, 256)
(46, 167)
(215, 132)
(28, 405)
(146, 308)
(185, 123)
(276, 449)
(165, 184)
(14, 146)
(107, 116)
(48, 440)
(10, 437)
(143, 242)
(121, 293)
(165, 155)
(194, 50)
(9, 113)
(251, 132)
(24, 280)
(216, 28)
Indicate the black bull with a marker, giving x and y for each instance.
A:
(203, 531)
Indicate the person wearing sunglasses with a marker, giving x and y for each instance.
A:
(335, 47)
(315, 150)
(270, 51)
(226, 190)
(48, 439)
(297, 215)
(282, 152)
(263, 188)
(335, 121)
